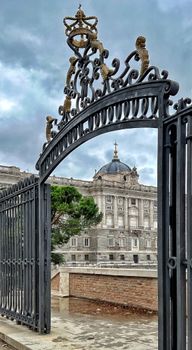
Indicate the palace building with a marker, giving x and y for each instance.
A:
(127, 235)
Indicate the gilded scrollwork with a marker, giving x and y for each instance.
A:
(89, 77)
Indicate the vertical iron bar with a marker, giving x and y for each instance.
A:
(180, 236)
(30, 234)
(189, 231)
(41, 257)
(33, 244)
(172, 222)
(47, 204)
(164, 332)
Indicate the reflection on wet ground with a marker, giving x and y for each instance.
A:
(95, 325)
(100, 309)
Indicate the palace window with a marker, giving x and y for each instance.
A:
(122, 257)
(73, 242)
(120, 200)
(146, 222)
(111, 257)
(133, 221)
(136, 259)
(148, 257)
(133, 201)
(120, 221)
(109, 199)
(135, 243)
(148, 243)
(73, 257)
(86, 242)
(86, 257)
(122, 242)
(109, 220)
(111, 242)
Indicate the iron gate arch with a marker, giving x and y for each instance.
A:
(126, 100)
(134, 99)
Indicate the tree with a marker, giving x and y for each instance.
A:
(71, 213)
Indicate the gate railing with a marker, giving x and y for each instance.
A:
(19, 254)
(175, 234)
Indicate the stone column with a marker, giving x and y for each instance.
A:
(151, 214)
(126, 213)
(115, 211)
(103, 210)
(99, 203)
(141, 212)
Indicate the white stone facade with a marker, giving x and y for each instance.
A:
(127, 235)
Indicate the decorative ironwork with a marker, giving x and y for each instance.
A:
(21, 262)
(99, 98)
(89, 78)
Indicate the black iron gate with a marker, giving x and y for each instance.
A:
(24, 266)
(124, 99)
(129, 98)
(175, 231)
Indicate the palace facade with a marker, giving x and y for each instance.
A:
(127, 235)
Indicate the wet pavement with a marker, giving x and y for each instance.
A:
(103, 326)
(82, 325)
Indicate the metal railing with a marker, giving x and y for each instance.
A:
(19, 253)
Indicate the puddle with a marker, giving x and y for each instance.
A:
(70, 306)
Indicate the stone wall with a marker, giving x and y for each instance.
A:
(134, 288)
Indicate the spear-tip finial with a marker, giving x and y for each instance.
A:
(115, 155)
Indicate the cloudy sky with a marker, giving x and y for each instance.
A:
(33, 64)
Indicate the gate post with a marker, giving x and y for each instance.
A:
(163, 223)
(44, 258)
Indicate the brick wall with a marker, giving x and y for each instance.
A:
(137, 292)
(135, 288)
(55, 282)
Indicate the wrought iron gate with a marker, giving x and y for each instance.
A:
(132, 98)
(24, 266)
(126, 99)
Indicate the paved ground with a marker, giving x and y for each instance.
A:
(4, 346)
(74, 331)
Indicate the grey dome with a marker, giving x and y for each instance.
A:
(114, 167)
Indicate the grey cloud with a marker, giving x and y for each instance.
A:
(42, 49)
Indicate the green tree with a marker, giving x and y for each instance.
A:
(71, 213)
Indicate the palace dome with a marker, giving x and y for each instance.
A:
(115, 166)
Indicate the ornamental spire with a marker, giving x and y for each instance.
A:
(115, 154)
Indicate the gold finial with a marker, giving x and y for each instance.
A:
(115, 154)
